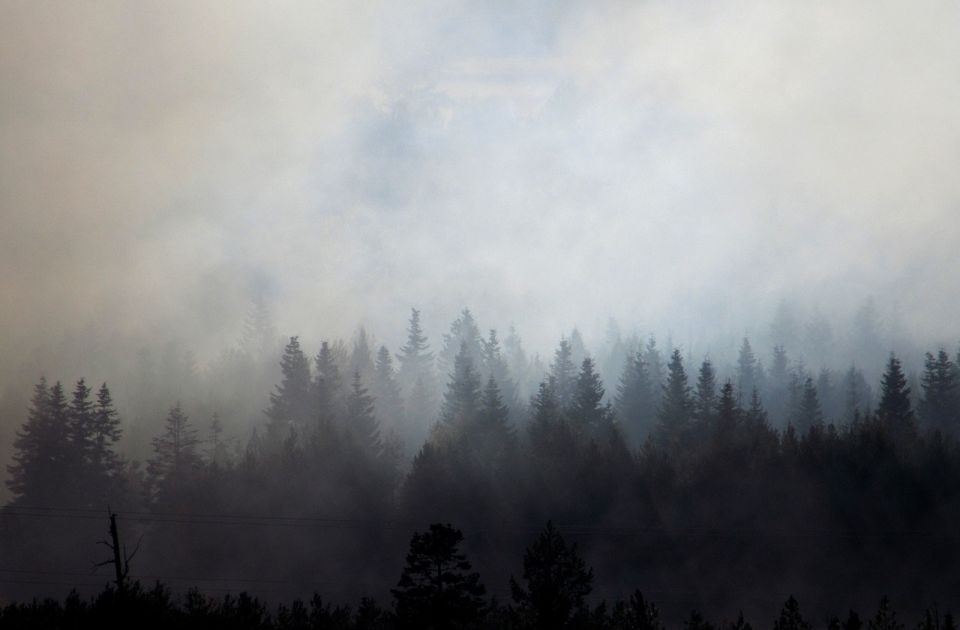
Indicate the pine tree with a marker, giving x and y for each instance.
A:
(386, 391)
(361, 421)
(562, 372)
(895, 411)
(557, 581)
(587, 409)
(290, 403)
(790, 617)
(461, 401)
(746, 369)
(940, 405)
(635, 405)
(464, 333)
(673, 418)
(637, 614)
(496, 366)
(327, 388)
(545, 414)
(80, 434)
(493, 437)
(727, 414)
(807, 412)
(360, 360)
(36, 472)
(437, 589)
(175, 455)
(706, 395)
(105, 460)
(415, 357)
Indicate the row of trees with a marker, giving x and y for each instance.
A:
(437, 590)
(688, 486)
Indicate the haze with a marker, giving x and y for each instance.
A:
(681, 166)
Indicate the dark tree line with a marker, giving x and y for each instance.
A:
(678, 480)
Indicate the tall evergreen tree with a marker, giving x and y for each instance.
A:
(806, 410)
(464, 333)
(386, 391)
(563, 372)
(38, 475)
(635, 404)
(676, 408)
(415, 357)
(895, 410)
(438, 590)
(328, 404)
(727, 414)
(290, 402)
(462, 400)
(587, 409)
(746, 369)
(496, 366)
(175, 455)
(360, 358)
(940, 406)
(557, 582)
(106, 434)
(361, 421)
(705, 398)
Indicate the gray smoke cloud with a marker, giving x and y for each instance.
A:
(682, 166)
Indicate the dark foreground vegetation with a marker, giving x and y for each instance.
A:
(723, 491)
(437, 590)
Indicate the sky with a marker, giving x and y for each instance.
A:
(683, 166)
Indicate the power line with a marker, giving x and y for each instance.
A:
(199, 518)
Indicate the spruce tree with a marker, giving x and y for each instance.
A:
(895, 410)
(496, 366)
(106, 434)
(386, 391)
(746, 369)
(461, 401)
(563, 374)
(635, 404)
(790, 617)
(673, 418)
(415, 357)
(940, 405)
(290, 402)
(361, 421)
(327, 388)
(587, 410)
(36, 473)
(175, 457)
(360, 359)
(556, 582)
(728, 414)
(807, 413)
(464, 334)
(705, 397)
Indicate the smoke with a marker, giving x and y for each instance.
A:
(682, 166)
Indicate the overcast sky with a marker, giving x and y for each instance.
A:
(679, 165)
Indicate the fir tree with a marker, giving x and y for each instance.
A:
(290, 403)
(706, 395)
(807, 412)
(360, 361)
(587, 408)
(634, 404)
(175, 454)
(496, 366)
(673, 418)
(940, 405)
(361, 421)
(562, 372)
(327, 388)
(36, 475)
(415, 357)
(464, 334)
(556, 581)
(461, 401)
(895, 410)
(746, 369)
(386, 391)
(637, 614)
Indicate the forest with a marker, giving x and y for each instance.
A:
(682, 492)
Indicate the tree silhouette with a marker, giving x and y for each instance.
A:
(556, 581)
(437, 589)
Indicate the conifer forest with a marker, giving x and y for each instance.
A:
(480, 315)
